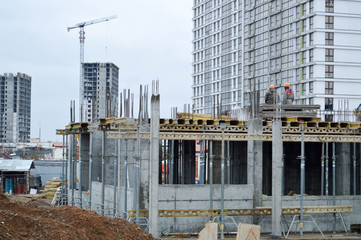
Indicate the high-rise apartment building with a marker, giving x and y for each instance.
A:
(15, 108)
(313, 45)
(99, 93)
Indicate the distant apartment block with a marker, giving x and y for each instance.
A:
(99, 91)
(15, 108)
(313, 45)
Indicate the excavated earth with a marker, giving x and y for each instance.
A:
(37, 219)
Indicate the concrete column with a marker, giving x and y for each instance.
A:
(154, 167)
(277, 151)
(254, 161)
(343, 169)
(84, 156)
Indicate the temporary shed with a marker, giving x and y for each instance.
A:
(15, 175)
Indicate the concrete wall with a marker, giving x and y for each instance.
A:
(197, 197)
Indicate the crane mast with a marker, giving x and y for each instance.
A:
(82, 41)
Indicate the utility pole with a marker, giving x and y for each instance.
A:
(82, 41)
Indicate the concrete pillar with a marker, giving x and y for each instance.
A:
(343, 169)
(154, 167)
(277, 151)
(84, 156)
(254, 161)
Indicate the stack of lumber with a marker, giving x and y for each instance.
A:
(50, 187)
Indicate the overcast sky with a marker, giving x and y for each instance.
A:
(150, 39)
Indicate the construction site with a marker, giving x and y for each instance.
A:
(284, 169)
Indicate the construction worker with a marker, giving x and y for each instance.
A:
(272, 96)
(288, 95)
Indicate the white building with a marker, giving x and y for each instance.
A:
(313, 45)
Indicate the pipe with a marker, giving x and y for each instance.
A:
(90, 168)
(302, 177)
(72, 172)
(103, 172)
(334, 184)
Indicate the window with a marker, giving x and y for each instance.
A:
(311, 75)
(329, 117)
(329, 6)
(310, 87)
(329, 22)
(311, 55)
(329, 37)
(329, 55)
(328, 88)
(329, 70)
(328, 104)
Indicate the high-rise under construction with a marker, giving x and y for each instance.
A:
(99, 96)
(242, 45)
(15, 108)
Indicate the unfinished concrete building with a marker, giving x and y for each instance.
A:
(15, 108)
(99, 96)
(246, 171)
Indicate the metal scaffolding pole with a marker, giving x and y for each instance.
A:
(327, 170)
(171, 167)
(115, 173)
(302, 178)
(80, 175)
(323, 169)
(354, 169)
(228, 164)
(103, 173)
(62, 170)
(222, 186)
(334, 184)
(201, 163)
(210, 175)
(73, 160)
(90, 168)
(126, 180)
(66, 167)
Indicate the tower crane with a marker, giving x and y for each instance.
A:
(82, 40)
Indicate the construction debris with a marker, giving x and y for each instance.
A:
(39, 220)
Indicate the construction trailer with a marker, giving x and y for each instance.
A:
(15, 175)
(319, 167)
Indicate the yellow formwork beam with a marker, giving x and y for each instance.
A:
(262, 211)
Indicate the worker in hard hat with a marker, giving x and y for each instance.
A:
(271, 96)
(288, 95)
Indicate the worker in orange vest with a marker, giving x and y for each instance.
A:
(288, 95)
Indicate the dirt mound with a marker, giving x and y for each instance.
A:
(39, 221)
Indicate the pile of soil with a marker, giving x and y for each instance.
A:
(36, 220)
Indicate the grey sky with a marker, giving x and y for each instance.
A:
(150, 39)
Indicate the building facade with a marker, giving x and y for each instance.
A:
(15, 108)
(99, 91)
(242, 45)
